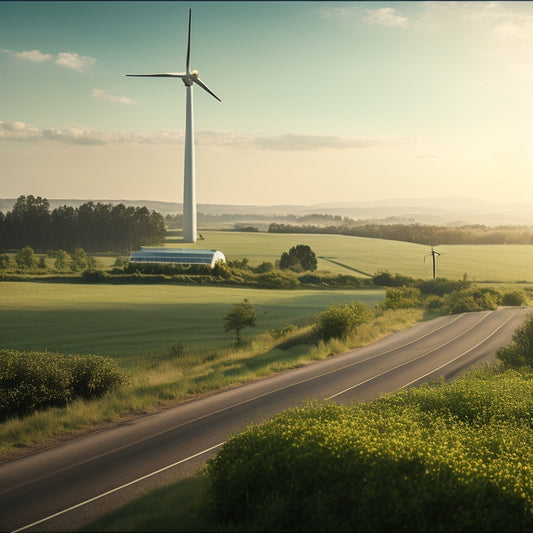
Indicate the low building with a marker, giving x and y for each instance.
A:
(177, 256)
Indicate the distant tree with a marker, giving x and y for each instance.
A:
(25, 258)
(31, 219)
(62, 260)
(240, 316)
(299, 257)
(79, 260)
(4, 261)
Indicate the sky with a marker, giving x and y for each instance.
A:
(322, 102)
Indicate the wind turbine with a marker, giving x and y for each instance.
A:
(189, 77)
(433, 253)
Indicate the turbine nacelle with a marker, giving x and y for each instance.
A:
(189, 77)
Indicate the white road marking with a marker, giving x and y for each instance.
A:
(461, 355)
(411, 360)
(81, 504)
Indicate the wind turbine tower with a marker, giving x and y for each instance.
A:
(189, 77)
(433, 253)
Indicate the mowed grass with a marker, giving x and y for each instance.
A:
(123, 320)
(502, 263)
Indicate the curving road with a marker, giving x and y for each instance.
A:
(65, 487)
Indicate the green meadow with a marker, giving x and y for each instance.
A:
(344, 254)
(123, 320)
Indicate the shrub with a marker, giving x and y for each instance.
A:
(264, 267)
(442, 286)
(472, 299)
(519, 352)
(94, 276)
(277, 280)
(31, 381)
(514, 298)
(402, 298)
(413, 461)
(339, 322)
(92, 376)
(386, 279)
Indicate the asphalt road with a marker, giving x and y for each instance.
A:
(67, 486)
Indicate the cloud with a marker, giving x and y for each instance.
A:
(31, 55)
(103, 94)
(385, 16)
(20, 131)
(298, 142)
(74, 61)
(70, 60)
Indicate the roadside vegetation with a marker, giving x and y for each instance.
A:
(439, 457)
(183, 371)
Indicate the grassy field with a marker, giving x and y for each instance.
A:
(502, 263)
(122, 320)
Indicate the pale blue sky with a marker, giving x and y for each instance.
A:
(321, 101)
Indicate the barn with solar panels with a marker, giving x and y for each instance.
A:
(177, 256)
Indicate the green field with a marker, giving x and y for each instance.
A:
(504, 263)
(134, 319)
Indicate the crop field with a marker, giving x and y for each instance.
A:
(122, 320)
(501, 263)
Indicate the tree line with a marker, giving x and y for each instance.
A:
(420, 233)
(93, 227)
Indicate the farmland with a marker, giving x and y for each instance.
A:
(122, 320)
(499, 263)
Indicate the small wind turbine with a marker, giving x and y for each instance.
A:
(433, 253)
(189, 77)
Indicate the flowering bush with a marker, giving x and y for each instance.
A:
(447, 457)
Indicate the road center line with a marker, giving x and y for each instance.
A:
(463, 354)
(409, 361)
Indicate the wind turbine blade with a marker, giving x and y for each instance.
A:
(188, 46)
(167, 75)
(205, 88)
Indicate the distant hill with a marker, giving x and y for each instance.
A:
(439, 211)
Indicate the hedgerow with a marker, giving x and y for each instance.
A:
(30, 381)
(453, 456)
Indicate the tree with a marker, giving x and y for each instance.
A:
(32, 219)
(300, 257)
(4, 261)
(25, 258)
(240, 316)
(62, 260)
